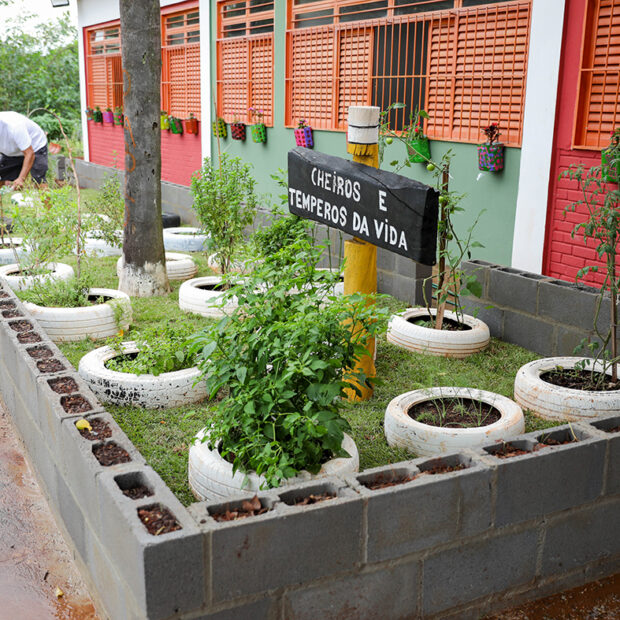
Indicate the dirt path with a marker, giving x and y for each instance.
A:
(34, 559)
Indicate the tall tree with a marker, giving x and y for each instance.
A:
(143, 272)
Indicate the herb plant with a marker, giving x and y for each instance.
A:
(71, 293)
(107, 212)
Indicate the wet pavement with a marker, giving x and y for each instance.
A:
(34, 558)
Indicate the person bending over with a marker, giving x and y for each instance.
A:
(23, 150)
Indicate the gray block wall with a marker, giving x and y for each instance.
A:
(450, 545)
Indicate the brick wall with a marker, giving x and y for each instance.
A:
(181, 154)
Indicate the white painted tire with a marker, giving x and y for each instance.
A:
(60, 271)
(202, 301)
(339, 286)
(185, 240)
(425, 440)
(211, 476)
(7, 255)
(553, 402)
(236, 266)
(100, 247)
(439, 342)
(97, 321)
(170, 389)
(178, 266)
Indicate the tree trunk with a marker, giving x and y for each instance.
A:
(143, 273)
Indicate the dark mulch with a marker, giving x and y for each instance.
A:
(448, 324)
(158, 520)
(615, 429)
(3, 295)
(137, 492)
(63, 385)
(21, 326)
(75, 403)
(382, 482)
(313, 499)
(454, 413)
(551, 441)
(101, 430)
(51, 365)
(11, 314)
(576, 379)
(507, 451)
(7, 304)
(250, 508)
(40, 353)
(28, 337)
(443, 469)
(111, 453)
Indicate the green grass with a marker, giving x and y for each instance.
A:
(163, 437)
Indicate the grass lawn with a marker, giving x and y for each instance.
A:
(163, 437)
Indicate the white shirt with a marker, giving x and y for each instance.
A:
(17, 133)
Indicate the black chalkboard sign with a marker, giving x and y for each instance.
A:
(386, 209)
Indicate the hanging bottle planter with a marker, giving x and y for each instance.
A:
(90, 114)
(418, 145)
(118, 115)
(164, 121)
(259, 131)
(176, 125)
(191, 124)
(303, 135)
(98, 115)
(610, 160)
(491, 154)
(237, 131)
(108, 116)
(220, 128)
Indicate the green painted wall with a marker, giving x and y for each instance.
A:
(496, 193)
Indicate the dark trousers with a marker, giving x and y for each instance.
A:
(10, 167)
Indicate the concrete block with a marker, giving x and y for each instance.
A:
(406, 267)
(514, 289)
(551, 479)
(582, 536)
(481, 269)
(302, 543)
(470, 571)
(263, 609)
(71, 515)
(386, 261)
(568, 338)
(389, 592)
(429, 510)
(568, 303)
(487, 312)
(611, 427)
(165, 572)
(532, 333)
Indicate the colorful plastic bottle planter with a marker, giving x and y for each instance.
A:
(220, 128)
(164, 121)
(108, 116)
(98, 115)
(610, 163)
(176, 125)
(118, 116)
(191, 125)
(491, 157)
(259, 132)
(237, 131)
(419, 151)
(90, 114)
(303, 137)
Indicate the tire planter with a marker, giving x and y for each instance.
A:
(170, 220)
(204, 301)
(60, 271)
(170, 389)
(178, 266)
(425, 440)
(553, 402)
(100, 247)
(235, 267)
(211, 477)
(7, 256)
(442, 342)
(97, 321)
(180, 239)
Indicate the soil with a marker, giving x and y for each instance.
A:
(158, 520)
(96, 300)
(11, 314)
(448, 324)
(383, 482)
(110, 453)
(137, 492)
(312, 499)
(507, 451)
(75, 404)
(211, 287)
(101, 430)
(7, 304)
(551, 441)
(250, 508)
(442, 469)
(452, 412)
(3, 295)
(63, 385)
(21, 326)
(50, 366)
(615, 429)
(28, 337)
(576, 379)
(40, 353)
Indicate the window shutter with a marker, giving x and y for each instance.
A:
(233, 86)
(261, 71)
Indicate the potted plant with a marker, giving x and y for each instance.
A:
(98, 115)
(259, 131)
(90, 114)
(491, 154)
(572, 388)
(118, 115)
(164, 121)
(220, 129)
(610, 159)
(191, 124)
(418, 145)
(237, 130)
(176, 125)
(303, 134)
(108, 116)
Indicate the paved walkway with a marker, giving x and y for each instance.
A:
(34, 559)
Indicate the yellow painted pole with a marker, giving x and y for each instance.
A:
(360, 271)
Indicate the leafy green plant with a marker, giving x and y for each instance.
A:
(71, 293)
(456, 412)
(285, 355)
(601, 229)
(225, 203)
(159, 350)
(107, 212)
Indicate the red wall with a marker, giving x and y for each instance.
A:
(181, 154)
(563, 255)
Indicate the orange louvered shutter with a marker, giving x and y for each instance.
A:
(261, 72)
(233, 87)
(104, 67)
(598, 107)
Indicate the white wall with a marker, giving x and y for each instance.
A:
(538, 130)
